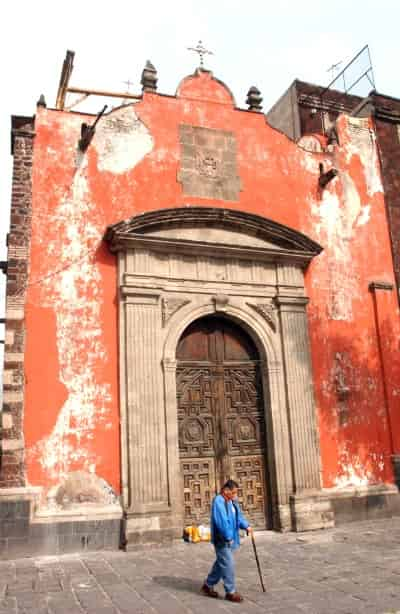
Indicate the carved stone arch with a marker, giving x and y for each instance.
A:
(268, 347)
(273, 383)
(175, 266)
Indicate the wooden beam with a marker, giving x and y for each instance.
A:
(81, 90)
(64, 79)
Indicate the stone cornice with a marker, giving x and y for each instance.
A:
(281, 241)
(123, 241)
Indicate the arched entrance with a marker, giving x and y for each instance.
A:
(174, 267)
(221, 419)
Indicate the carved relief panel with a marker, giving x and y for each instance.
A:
(208, 163)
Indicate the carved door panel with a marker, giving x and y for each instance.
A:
(245, 426)
(220, 418)
(196, 424)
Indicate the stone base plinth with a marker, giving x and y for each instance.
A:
(353, 504)
(282, 518)
(311, 511)
(150, 529)
(26, 530)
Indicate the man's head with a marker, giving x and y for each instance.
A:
(230, 490)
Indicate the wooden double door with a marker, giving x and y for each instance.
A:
(221, 419)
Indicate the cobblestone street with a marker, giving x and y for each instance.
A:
(351, 569)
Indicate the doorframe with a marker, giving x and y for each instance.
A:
(175, 266)
(262, 395)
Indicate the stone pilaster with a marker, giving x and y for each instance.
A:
(145, 405)
(309, 509)
(302, 418)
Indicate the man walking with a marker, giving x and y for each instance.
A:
(226, 520)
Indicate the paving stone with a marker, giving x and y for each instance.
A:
(8, 605)
(350, 570)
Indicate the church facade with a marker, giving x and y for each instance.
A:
(193, 296)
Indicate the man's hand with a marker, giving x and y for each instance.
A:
(249, 530)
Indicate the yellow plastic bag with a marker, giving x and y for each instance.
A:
(196, 534)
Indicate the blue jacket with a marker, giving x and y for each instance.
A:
(226, 520)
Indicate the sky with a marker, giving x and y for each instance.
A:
(267, 44)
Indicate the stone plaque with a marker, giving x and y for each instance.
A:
(208, 166)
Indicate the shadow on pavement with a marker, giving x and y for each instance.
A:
(178, 583)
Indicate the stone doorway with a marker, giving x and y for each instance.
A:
(175, 267)
(221, 419)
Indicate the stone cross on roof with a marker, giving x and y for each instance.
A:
(202, 51)
(128, 84)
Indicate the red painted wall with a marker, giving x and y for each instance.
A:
(131, 166)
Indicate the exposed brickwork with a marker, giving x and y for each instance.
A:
(327, 104)
(12, 454)
(308, 109)
(387, 123)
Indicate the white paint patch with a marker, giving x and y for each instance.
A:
(121, 141)
(353, 473)
(75, 295)
(356, 473)
(362, 142)
(310, 163)
(328, 212)
(336, 227)
(364, 216)
(309, 142)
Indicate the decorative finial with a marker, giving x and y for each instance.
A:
(149, 78)
(41, 102)
(254, 99)
(202, 51)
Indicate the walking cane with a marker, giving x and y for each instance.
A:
(257, 561)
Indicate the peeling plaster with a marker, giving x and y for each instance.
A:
(75, 294)
(354, 471)
(338, 218)
(353, 475)
(311, 163)
(362, 143)
(121, 141)
(365, 216)
(335, 228)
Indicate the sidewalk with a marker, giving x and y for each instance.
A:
(351, 569)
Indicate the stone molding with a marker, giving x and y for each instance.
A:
(285, 238)
(268, 312)
(171, 306)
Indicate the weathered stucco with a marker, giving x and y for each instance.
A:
(132, 166)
